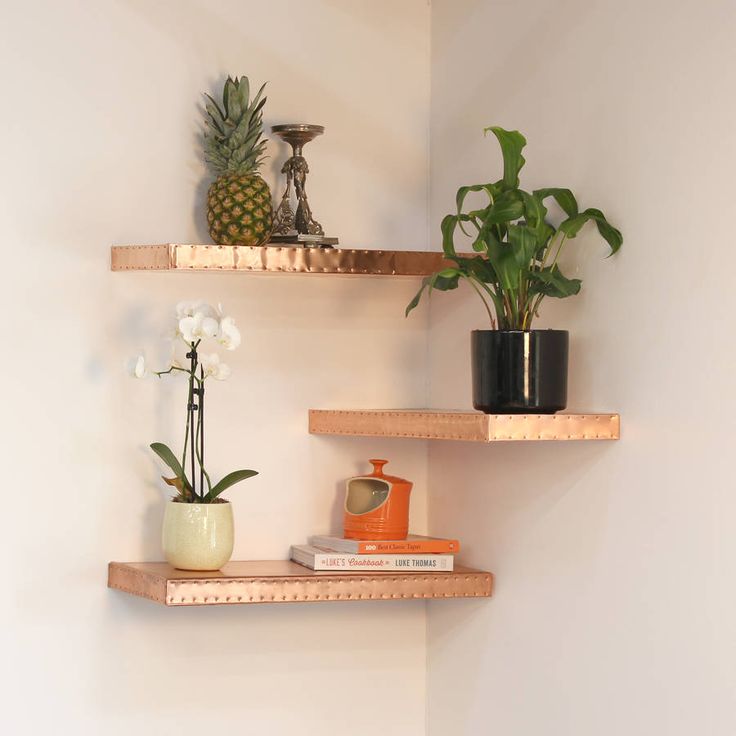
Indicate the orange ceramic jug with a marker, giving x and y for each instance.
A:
(377, 505)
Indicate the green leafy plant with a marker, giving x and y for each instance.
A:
(516, 249)
(196, 322)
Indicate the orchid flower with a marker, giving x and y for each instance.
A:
(137, 367)
(195, 321)
(197, 327)
(212, 366)
(190, 308)
(228, 335)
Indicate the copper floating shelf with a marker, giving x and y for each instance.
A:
(275, 259)
(467, 426)
(281, 581)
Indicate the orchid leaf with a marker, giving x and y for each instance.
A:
(229, 480)
(184, 491)
(168, 457)
(176, 482)
(171, 460)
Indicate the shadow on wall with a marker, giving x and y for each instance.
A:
(519, 486)
(516, 517)
(140, 643)
(196, 24)
(302, 343)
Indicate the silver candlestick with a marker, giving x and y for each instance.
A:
(300, 227)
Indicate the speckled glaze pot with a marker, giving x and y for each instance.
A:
(198, 536)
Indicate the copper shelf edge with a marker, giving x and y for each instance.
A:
(281, 581)
(275, 259)
(466, 426)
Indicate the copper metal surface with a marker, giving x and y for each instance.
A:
(468, 426)
(281, 581)
(176, 257)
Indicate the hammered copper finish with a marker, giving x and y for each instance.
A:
(281, 581)
(272, 258)
(467, 426)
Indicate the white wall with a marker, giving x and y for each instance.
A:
(100, 132)
(614, 608)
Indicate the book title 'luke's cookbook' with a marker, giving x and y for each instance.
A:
(318, 559)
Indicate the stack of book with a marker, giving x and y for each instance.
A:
(413, 554)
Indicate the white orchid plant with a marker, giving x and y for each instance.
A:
(197, 324)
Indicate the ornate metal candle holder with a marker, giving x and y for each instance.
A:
(300, 227)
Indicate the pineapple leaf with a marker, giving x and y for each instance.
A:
(258, 103)
(233, 129)
(216, 121)
(218, 164)
(238, 155)
(252, 138)
(240, 138)
(227, 91)
(237, 100)
(212, 130)
(214, 109)
(249, 128)
(242, 87)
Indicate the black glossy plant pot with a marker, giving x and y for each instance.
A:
(519, 372)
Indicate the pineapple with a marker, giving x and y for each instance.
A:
(239, 208)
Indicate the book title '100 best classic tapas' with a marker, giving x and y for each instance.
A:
(414, 544)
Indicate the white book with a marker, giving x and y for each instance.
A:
(318, 559)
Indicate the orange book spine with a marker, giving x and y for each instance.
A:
(410, 547)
